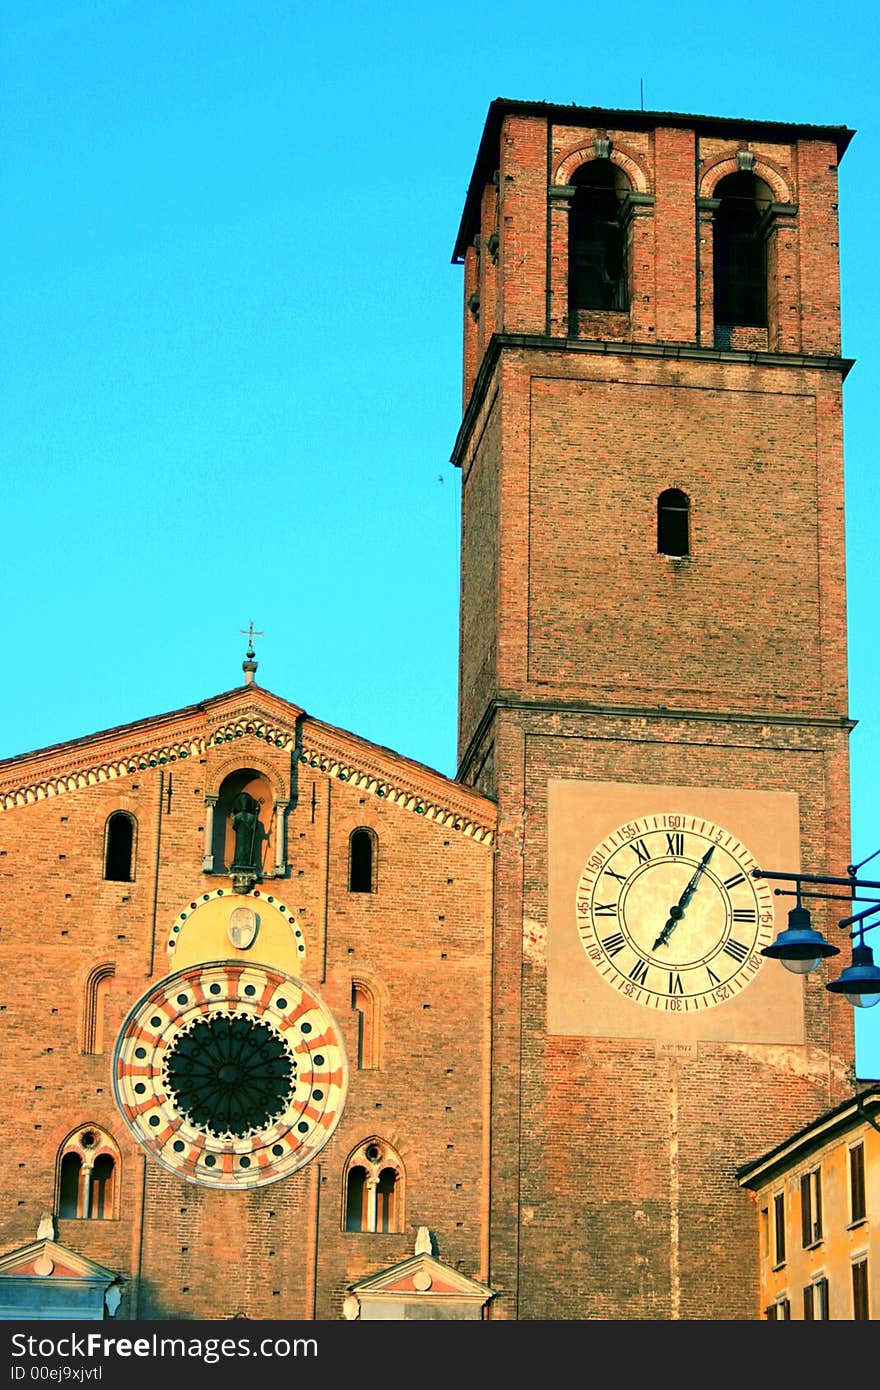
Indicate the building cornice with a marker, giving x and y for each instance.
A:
(641, 713)
(538, 342)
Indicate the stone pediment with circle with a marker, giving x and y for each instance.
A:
(423, 1279)
(48, 1259)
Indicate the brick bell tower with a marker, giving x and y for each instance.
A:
(652, 681)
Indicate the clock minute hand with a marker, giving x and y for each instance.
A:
(677, 912)
(695, 878)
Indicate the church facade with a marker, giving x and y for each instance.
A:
(305, 1030)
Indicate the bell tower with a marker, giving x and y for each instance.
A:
(652, 680)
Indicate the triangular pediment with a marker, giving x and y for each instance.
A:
(423, 1276)
(247, 715)
(47, 1259)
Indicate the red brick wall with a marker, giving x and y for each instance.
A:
(738, 623)
(423, 940)
(522, 223)
(479, 612)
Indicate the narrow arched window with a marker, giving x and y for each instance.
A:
(69, 1186)
(94, 1005)
(119, 847)
(355, 1195)
(673, 522)
(363, 1001)
(386, 1188)
(362, 861)
(597, 272)
(739, 254)
(374, 1188)
(103, 1177)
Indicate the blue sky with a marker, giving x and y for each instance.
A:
(230, 365)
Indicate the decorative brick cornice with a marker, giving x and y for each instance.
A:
(193, 733)
(421, 795)
(644, 716)
(73, 774)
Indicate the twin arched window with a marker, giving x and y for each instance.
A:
(374, 1188)
(88, 1177)
(120, 847)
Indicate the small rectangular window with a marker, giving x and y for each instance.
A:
(860, 1291)
(780, 1311)
(811, 1207)
(816, 1301)
(857, 1183)
(779, 1229)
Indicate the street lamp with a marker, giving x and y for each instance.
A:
(800, 947)
(859, 982)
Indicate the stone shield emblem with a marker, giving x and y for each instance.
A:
(242, 928)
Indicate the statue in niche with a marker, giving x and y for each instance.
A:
(245, 867)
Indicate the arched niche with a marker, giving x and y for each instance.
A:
(235, 839)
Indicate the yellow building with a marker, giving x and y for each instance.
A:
(818, 1201)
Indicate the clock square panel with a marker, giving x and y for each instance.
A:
(655, 922)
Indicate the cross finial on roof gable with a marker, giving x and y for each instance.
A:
(249, 665)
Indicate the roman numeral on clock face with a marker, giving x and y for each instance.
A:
(735, 949)
(612, 944)
(734, 880)
(621, 878)
(639, 972)
(745, 914)
(641, 851)
(675, 985)
(675, 843)
(605, 909)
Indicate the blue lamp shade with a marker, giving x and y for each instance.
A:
(860, 982)
(800, 948)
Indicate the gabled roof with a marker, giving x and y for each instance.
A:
(248, 711)
(488, 157)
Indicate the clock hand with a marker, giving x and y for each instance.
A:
(677, 912)
(695, 878)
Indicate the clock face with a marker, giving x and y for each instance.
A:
(669, 914)
(231, 1075)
